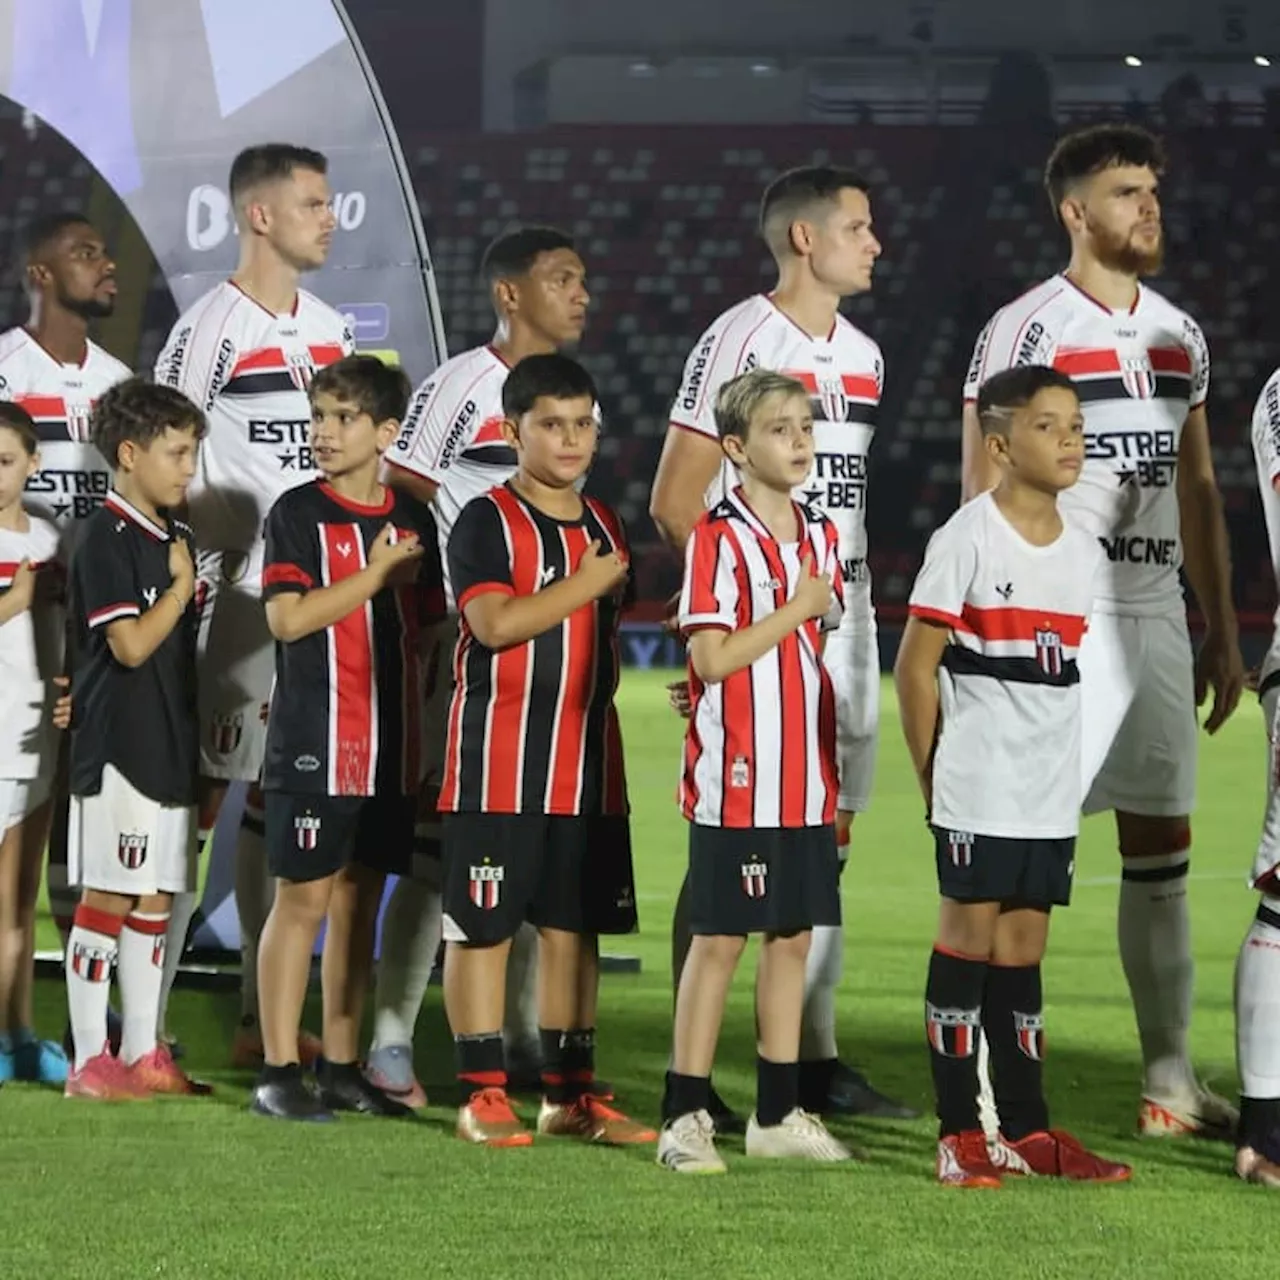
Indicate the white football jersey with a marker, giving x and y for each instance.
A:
(249, 371)
(1008, 757)
(844, 375)
(1266, 454)
(1139, 373)
(31, 646)
(74, 477)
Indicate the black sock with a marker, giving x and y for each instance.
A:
(554, 1046)
(481, 1062)
(815, 1082)
(580, 1059)
(1013, 1018)
(337, 1071)
(1259, 1122)
(952, 1016)
(684, 1094)
(278, 1075)
(777, 1090)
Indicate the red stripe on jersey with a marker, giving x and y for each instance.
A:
(791, 717)
(110, 612)
(861, 386)
(490, 432)
(926, 614)
(1170, 360)
(1078, 362)
(43, 406)
(351, 671)
(324, 353)
(702, 572)
(578, 661)
(448, 798)
(260, 358)
(277, 575)
(809, 381)
(1022, 624)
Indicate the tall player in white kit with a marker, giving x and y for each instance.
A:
(55, 371)
(1150, 495)
(817, 224)
(451, 450)
(245, 353)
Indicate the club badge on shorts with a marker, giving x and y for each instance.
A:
(755, 877)
(486, 885)
(960, 847)
(306, 827)
(132, 851)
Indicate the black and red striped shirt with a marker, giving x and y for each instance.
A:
(345, 715)
(533, 728)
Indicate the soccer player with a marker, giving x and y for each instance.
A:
(245, 353)
(32, 625)
(761, 584)
(989, 695)
(55, 371)
(131, 829)
(351, 578)
(452, 449)
(534, 795)
(817, 225)
(1149, 494)
(1257, 992)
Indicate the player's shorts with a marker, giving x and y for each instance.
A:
(554, 871)
(313, 836)
(236, 664)
(1139, 734)
(435, 733)
(977, 868)
(21, 797)
(852, 656)
(762, 879)
(120, 841)
(1266, 863)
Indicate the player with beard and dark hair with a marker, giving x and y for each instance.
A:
(1149, 494)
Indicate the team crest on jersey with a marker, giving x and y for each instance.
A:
(227, 732)
(93, 964)
(1030, 1030)
(755, 877)
(301, 370)
(1049, 651)
(1138, 376)
(132, 851)
(486, 885)
(78, 420)
(835, 404)
(960, 848)
(306, 829)
(739, 772)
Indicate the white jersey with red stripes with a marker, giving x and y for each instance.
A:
(1139, 373)
(844, 375)
(249, 370)
(760, 749)
(74, 477)
(31, 647)
(1008, 756)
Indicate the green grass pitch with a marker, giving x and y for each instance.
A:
(196, 1188)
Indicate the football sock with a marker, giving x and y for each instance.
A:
(953, 1015)
(777, 1090)
(175, 943)
(821, 977)
(1258, 1025)
(685, 1094)
(255, 891)
(410, 941)
(481, 1062)
(140, 973)
(568, 1063)
(91, 951)
(1013, 1019)
(1154, 928)
(521, 1026)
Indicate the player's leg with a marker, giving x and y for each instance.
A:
(1257, 1003)
(11, 938)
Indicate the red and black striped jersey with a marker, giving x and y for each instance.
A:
(533, 728)
(346, 709)
(760, 748)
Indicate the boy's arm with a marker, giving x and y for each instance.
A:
(915, 676)
(19, 592)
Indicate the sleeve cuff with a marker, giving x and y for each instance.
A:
(704, 622)
(927, 614)
(694, 429)
(484, 589)
(112, 613)
(288, 577)
(421, 473)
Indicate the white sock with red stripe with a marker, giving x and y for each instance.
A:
(91, 951)
(410, 940)
(140, 973)
(255, 891)
(1258, 1004)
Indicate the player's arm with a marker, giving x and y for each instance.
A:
(686, 468)
(134, 639)
(19, 592)
(978, 473)
(915, 676)
(1207, 560)
(422, 451)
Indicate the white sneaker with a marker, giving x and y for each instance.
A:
(1200, 1114)
(687, 1145)
(799, 1136)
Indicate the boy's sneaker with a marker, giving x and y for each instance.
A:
(247, 1051)
(1253, 1166)
(158, 1073)
(39, 1061)
(487, 1118)
(106, 1079)
(798, 1136)
(286, 1095)
(1054, 1153)
(343, 1087)
(687, 1145)
(964, 1160)
(1198, 1114)
(6, 1059)
(391, 1070)
(591, 1118)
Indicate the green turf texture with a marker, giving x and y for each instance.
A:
(195, 1188)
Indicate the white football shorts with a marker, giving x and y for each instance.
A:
(120, 841)
(21, 797)
(1137, 693)
(852, 656)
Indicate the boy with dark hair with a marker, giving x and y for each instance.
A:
(131, 828)
(350, 580)
(534, 796)
(989, 694)
(761, 585)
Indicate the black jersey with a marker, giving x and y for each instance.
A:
(346, 710)
(142, 720)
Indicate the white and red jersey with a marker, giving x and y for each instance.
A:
(844, 375)
(74, 477)
(31, 646)
(760, 750)
(249, 371)
(1008, 756)
(1139, 373)
(1266, 454)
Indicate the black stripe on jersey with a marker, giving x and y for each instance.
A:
(964, 662)
(1267, 916)
(479, 666)
(1168, 386)
(855, 411)
(1268, 684)
(491, 455)
(260, 384)
(52, 430)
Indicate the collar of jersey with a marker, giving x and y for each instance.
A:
(119, 506)
(762, 530)
(359, 508)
